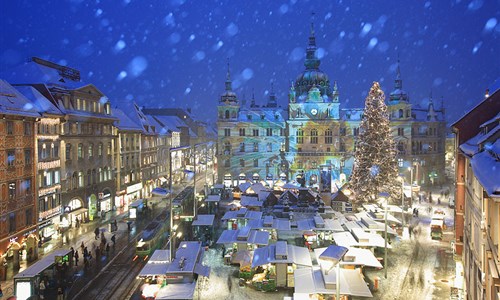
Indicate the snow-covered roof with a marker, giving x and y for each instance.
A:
(12, 102)
(45, 262)
(204, 220)
(354, 256)
(160, 256)
(254, 237)
(190, 252)
(486, 169)
(470, 147)
(251, 201)
(283, 253)
(317, 223)
(277, 224)
(181, 291)
(315, 281)
(344, 239)
(242, 213)
(213, 198)
(43, 104)
(124, 122)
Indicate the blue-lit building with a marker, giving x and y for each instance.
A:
(312, 140)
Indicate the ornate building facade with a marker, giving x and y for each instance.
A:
(313, 139)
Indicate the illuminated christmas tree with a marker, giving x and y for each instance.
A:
(375, 167)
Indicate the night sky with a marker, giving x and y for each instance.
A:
(172, 53)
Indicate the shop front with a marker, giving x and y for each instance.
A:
(228, 180)
(105, 200)
(73, 211)
(47, 220)
(120, 198)
(11, 249)
(133, 193)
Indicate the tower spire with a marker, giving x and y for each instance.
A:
(229, 85)
(398, 83)
(311, 62)
(272, 97)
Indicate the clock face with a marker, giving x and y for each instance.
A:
(314, 111)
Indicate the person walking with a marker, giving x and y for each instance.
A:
(41, 288)
(77, 256)
(96, 231)
(60, 294)
(107, 250)
(113, 239)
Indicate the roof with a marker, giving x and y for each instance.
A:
(254, 237)
(213, 198)
(270, 254)
(12, 102)
(42, 264)
(186, 257)
(251, 201)
(153, 270)
(242, 213)
(355, 256)
(42, 104)
(160, 256)
(277, 224)
(124, 122)
(313, 282)
(204, 220)
(180, 291)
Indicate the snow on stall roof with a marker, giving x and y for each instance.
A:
(297, 255)
(44, 263)
(190, 251)
(160, 256)
(487, 169)
(251, 201)
(179, 291)
(213, 198)
(313, 282)
(344, 239)
(354, 256)
(255, 237)
(204, 220)
(153, 270)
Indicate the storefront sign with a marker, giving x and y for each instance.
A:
(134, 188)
(29, 232)
(44, 165)
(49, 190)
(49, 213)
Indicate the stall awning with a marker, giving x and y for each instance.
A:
(153, 270)
(160, 256)
(204, 220)
(202, 270)
(182, 291)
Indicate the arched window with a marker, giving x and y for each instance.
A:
(314, 136)
(94, 178)
(401, 113)
(89, 177)
(75, 180)
(227, 114)
(233, 115)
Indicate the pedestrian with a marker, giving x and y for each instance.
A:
(41, 288)
(71, 252)
(113, 238)
(97, 253)
(128, 225)
(96, 231)
(107, 249)
(82, 246)
(115, 225)
(1, 293)
(76, 257)
(60, 294)
(85, 252)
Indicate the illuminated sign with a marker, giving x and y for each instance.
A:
(134, 188)
(49, 190)
(49, 164)
(23, 290)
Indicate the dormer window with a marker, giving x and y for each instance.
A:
(249, 117)
(262, 117)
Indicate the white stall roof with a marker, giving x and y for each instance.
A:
(255, 237)
(313, 282)
(160, 256)
(188, 253)
(219, 186)
(204, 220)
(181, 291)
(251, 201)
(153, 270)
(344, 239)
(369, 239)
(355, 256)
(42, 264)
(295, 254)
(243, 213)
(278, 224)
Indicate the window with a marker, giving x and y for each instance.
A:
(29, 217)
(27, 157)
(256, 162)
(300, 136)
(343, 131)
(242, 147)
(12, 190)
(242, 162)
(91, 150)
(255, 132)
(108, 151)
(242, 131)
(47, 178)
(227, 163)
(355, 131)
(342, 146)
(269, 147)
(27, 186)
(11, 158)
(68, 151)
(99, 149)
(89, 177)
(314, 136)
(400, 113)
(12, 222)
(255, 147)
(401, 131)
(10, 127)
(55, 150)
(27, 128)
(57, 177)
(400, 162)
(227, 132)
(227, 148)
(328, 136)
(80, 151)
(226, 114)
(269, 131)
(282, 132)
(80, 179)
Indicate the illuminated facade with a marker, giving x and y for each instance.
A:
(17, 175)
(313, 139)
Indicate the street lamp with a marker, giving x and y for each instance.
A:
(334, 254)
(385, 197)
